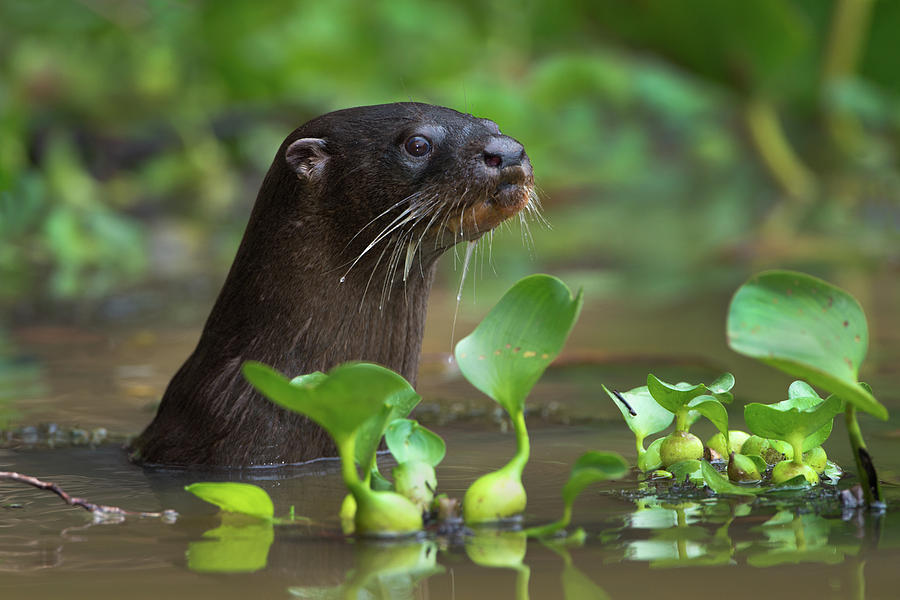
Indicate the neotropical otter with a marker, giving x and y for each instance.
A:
(335, 265)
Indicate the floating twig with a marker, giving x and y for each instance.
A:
(99, 510)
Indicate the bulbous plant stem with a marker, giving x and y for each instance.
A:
(500, 494)
(865, 468)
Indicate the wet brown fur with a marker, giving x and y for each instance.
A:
(283, 302)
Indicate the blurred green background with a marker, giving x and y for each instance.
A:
(677, 145)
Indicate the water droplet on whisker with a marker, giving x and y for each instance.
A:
(343, 279)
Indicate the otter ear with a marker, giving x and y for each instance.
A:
(307, 157)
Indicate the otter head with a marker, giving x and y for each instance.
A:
(398, 184)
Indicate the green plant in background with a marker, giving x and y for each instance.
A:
(504, 357)
(809, 328)
(145, 120)
(353, 403)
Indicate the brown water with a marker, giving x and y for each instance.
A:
(110, 377)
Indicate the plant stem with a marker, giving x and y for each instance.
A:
(523, 446)
(868, 477)
(346, 450)
(797, 445)
(523, 574)
(681, 421)
(639, 442)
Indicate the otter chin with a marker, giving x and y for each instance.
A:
(336, 264)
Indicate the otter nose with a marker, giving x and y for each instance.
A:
(502, 152)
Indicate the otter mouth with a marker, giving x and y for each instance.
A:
(512, 192)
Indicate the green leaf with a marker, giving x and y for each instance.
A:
(510, 349)
(722, 384)
(675, 398)
(342, 401)
(807, 328)
(591, 467)
(313, 379)
(720, 484)
(368, 436)
(649, 417)
(243, 498)
(712, 409)
(686, 469)
(410, 442)
(651, 459)
(804, 419)
(801, 389)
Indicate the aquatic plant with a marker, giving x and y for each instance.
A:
(811, 329)
(651, 408)
(504, 357)
(591, 467)
(643, 415)
(354, 403)
(804, 422)
(418, 451)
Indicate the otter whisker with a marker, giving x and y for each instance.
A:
(527, 238)
(412, 245)
(409, 198)
(435, 214)
(371, 275)
(402, 219)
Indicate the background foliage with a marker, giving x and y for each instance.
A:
(670, 141)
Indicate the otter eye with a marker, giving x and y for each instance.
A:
(417, 145)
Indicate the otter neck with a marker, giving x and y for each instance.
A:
(301, 312)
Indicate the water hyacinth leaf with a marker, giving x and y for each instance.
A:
(675, 397)
(592, 467)
(651, 459)
(241, 498)
(686, 470)
(368, 436)
(793, 421)
(720, 484)
(722, 384)
(341, 401)
(314, 378)
(801, 389)
(649, 417)
(512, 346)
(712, 409)
(408, 441)
(805, 327)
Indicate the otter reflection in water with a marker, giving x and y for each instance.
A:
(336, 264)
